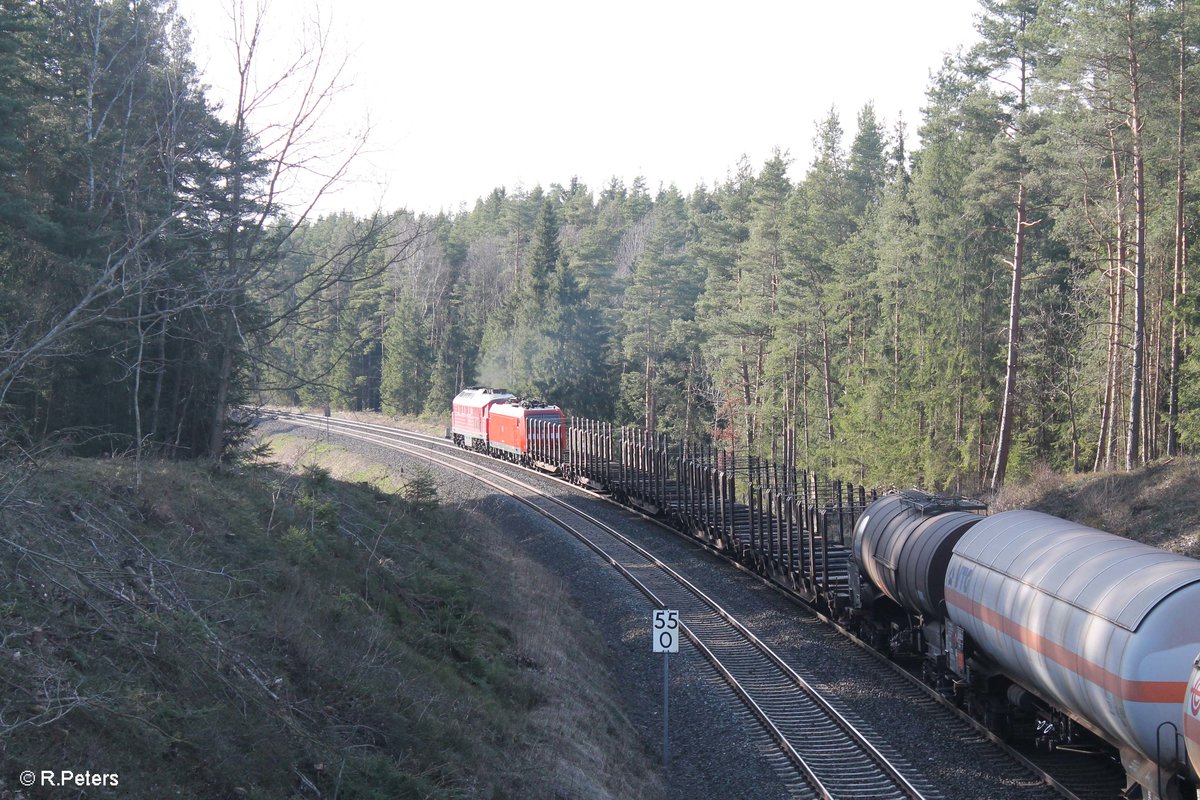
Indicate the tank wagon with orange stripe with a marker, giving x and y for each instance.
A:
(1035, 620)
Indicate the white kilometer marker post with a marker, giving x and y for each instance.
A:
(664, 634)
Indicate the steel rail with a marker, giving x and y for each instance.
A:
(889, 776)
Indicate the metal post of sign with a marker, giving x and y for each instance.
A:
(666, 712)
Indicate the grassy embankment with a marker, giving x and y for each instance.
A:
(1157, 504)
(271, 632)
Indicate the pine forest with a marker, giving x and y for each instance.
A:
(1010, 289)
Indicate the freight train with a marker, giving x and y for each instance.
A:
(1032, 623)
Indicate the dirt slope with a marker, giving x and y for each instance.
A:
(1158, 504)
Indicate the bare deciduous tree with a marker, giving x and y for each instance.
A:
(275, 151)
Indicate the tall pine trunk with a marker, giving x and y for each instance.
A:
(1107, 454)
(1176, 357)
(1004, 441)
(1133, 450)
(1104, 442)
(1152, 393)
(746, 398)
(650, 420)
(1009, 406)
(827, 374)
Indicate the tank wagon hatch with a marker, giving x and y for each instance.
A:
(929, 504)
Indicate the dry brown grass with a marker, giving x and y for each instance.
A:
(268, 634)
(295, 452)
(1157, 504)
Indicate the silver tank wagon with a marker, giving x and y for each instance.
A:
(1103, 626)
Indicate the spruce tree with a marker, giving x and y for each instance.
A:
(821, 222)
(541, 262)
(867, 167)
(406, 358)
(725, 310)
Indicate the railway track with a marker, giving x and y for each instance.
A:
(828, 754)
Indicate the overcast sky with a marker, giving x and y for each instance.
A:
(464, 96)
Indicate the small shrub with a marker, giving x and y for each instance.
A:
(315, 479)
(421, 491)
(377, 777)
(299, 545)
